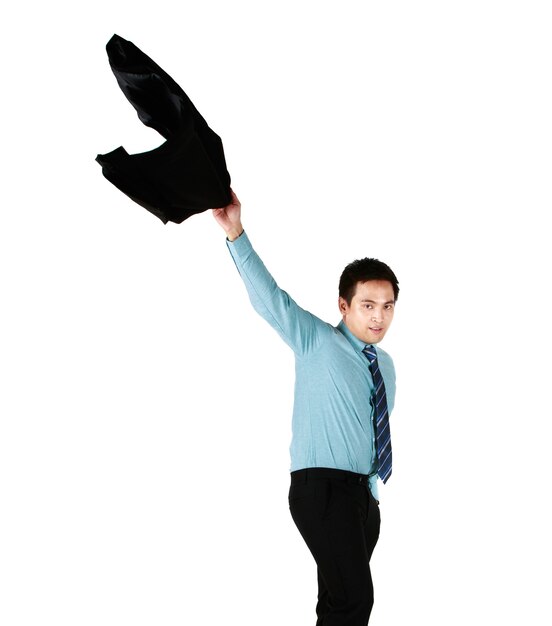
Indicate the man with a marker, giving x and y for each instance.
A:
(344, 393)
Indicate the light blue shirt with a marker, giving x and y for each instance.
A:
(333, 422)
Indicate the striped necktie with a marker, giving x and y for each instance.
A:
(383, 434)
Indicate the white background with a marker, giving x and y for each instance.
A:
(145, 408)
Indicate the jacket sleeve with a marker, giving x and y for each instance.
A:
(297, 327)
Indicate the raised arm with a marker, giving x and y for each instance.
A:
(298, 328)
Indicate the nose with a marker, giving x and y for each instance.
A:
(377, 316)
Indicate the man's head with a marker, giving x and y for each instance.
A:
(368, 291)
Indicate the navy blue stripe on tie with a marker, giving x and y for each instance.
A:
(381, 416)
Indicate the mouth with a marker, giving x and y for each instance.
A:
(376, 330)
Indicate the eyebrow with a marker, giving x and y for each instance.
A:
(374, 302)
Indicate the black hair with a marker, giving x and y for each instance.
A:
(363, 270)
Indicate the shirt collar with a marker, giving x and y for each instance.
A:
(354, 341)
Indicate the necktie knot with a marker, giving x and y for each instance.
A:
(370, 353)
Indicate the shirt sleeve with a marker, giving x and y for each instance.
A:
(297, 327)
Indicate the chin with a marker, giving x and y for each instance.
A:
(375, 338)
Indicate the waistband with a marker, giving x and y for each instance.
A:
(315, 473)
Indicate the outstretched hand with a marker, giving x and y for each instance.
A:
(229, 218)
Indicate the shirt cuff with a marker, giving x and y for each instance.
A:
(373, 485)
(239, 245)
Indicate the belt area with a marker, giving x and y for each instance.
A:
(316, 473)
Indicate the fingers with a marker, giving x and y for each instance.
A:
(235, 203)
(234, 197)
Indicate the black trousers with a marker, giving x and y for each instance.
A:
(339, 520)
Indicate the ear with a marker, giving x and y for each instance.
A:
(343, 306)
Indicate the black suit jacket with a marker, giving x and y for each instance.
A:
(185, 175)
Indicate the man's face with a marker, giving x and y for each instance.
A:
(371, 310)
